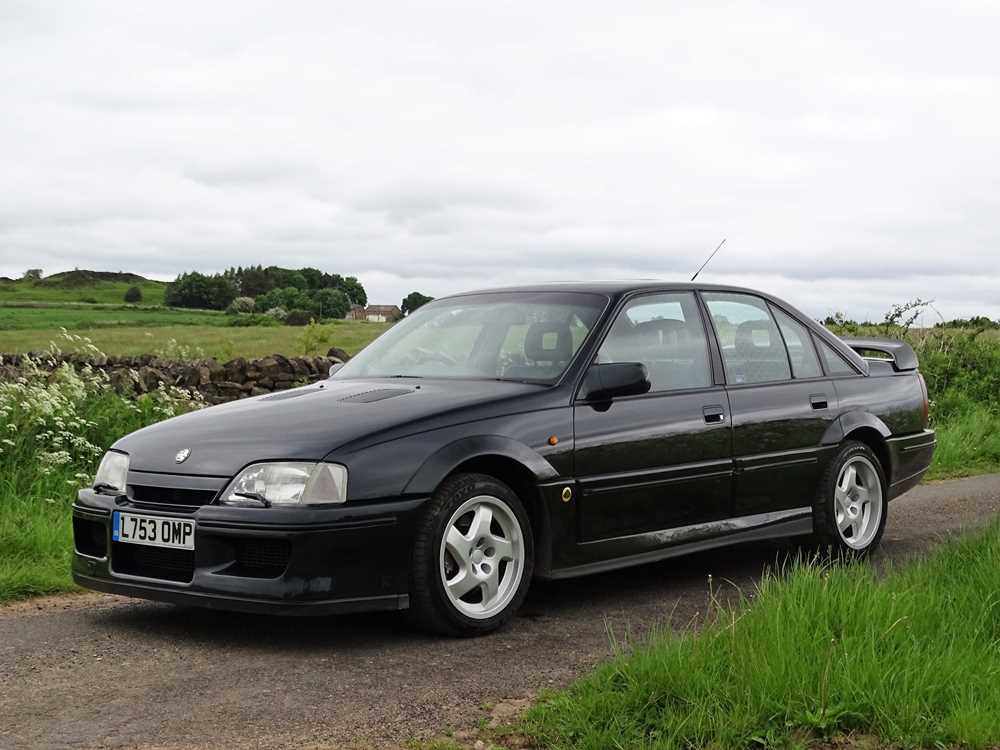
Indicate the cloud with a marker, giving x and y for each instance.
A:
(848, 153)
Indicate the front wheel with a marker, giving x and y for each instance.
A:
(473, 557)
(851, 507)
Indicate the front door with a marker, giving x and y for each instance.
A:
(782, 403)
(661, 460)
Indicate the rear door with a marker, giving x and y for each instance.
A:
(782, 404)
(661, 460)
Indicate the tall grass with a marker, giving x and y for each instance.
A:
(54, 427)
(968, 443)
(962, 370)
(913, 658)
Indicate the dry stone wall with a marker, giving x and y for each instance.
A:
(217, 382)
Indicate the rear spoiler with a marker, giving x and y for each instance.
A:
(898, 352)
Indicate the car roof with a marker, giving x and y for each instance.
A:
(611, 287)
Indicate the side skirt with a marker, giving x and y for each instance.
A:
(759, 527)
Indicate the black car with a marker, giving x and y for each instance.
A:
(494, 437)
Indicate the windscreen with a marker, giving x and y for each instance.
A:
(519, 336)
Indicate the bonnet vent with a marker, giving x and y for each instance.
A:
(285, 395)
(378, 394)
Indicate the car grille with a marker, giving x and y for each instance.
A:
(171, 495)
(153, 562)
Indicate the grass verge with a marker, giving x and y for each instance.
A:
(912, 658)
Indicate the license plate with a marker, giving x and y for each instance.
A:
(154, 531)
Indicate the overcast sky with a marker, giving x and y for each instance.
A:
(848, 151)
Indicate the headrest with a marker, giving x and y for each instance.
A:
(745, 334)
(548, 342)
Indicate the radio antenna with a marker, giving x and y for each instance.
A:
(709, 258)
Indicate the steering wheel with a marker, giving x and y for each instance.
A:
(421, 356)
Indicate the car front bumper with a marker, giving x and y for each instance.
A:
(267, 560)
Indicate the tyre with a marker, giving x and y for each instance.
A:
(473, 557)
(851, 506)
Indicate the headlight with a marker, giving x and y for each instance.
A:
(112, 474)
(288, 483)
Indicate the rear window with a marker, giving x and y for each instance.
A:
(835, 364)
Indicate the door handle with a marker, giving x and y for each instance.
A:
(818, 401)
(714, 414)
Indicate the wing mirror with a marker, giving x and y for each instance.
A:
(611, 380)
(334, 368)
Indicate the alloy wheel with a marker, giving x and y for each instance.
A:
(858, 502)
(482, 557)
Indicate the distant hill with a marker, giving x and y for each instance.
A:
(88, 278)
(81, 286)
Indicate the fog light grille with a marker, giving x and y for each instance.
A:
(260, 558)
(90, 537)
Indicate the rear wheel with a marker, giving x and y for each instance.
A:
(473, 557)
(851, 506)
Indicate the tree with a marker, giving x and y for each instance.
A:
(313, 277)
(200, 291)
(255, 282)
(354, 291)
(285, 277)
(330, 303)
(414, 300)
(289, 298)
(349, 286)
(33, 274)
(133, 295)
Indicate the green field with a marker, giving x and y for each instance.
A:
(39, 320)
(89, 303)
(195, 341)
(81, 286)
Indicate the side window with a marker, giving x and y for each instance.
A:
(835, 364)
(665, 333)
(805, 363)
(752, 349)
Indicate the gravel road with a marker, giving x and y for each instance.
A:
(94, 671)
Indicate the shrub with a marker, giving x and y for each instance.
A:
(241, 305)
(133, 295)
(313, 338)
(278, 313)
(249, 321)
(299, 318)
